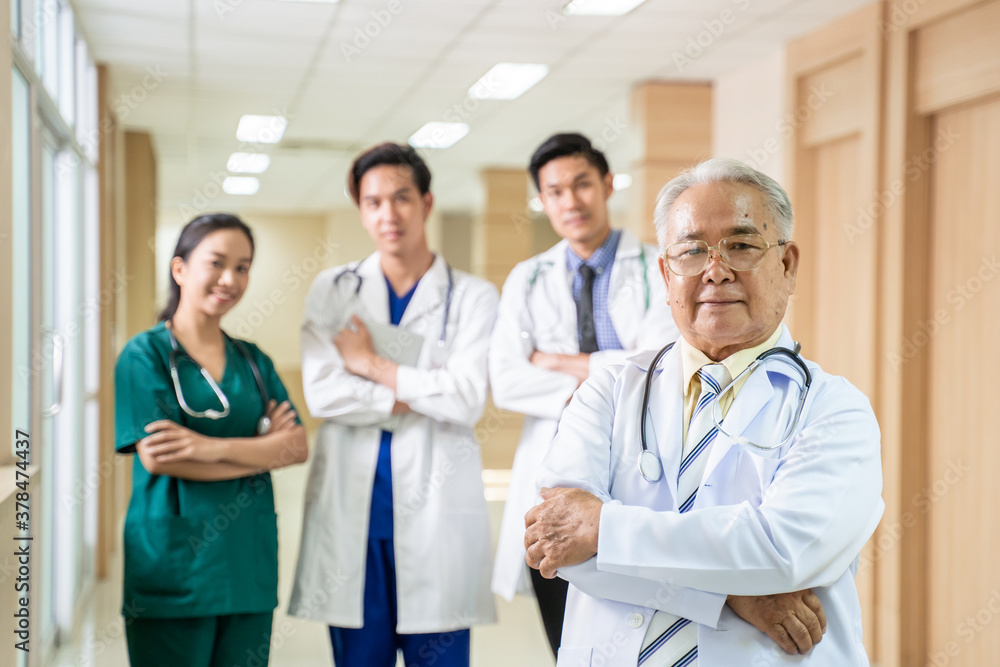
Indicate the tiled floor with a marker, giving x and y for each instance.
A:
(516, 640)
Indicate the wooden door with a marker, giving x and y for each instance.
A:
(833, 116)
(939, 342)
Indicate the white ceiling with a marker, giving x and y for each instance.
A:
(219, 59)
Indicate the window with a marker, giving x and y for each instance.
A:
(67, 64)
(21, 254)
(15, 19)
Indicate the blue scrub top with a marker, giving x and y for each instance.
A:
(380, 520)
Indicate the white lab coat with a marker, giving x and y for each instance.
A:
(441, 526)
(763, 522)
(537, 312)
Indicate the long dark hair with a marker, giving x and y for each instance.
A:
(193, 234)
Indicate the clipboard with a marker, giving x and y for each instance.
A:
(394, 343)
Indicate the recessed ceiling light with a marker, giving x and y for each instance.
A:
(600, 7)
(621, 181)
(241, 185)
(438, 135)
(248, 163)
(507, 81)
(261, 129)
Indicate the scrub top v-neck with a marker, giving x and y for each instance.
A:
(380, 519)
(195, 548)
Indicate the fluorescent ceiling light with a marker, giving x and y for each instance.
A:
(600, 7)
(438, 135)
(507, 81)
(621, 181)
(248, 163)
(261, 129)
(241, 185)
(326, 2)
(535, 204)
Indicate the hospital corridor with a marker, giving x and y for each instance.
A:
(468, 333)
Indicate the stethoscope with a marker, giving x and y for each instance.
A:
(353, 270)
(649, 462)
(263, 424)
(545, 265)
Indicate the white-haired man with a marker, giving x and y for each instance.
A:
(761, 486)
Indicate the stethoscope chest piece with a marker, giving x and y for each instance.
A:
(263, 425)
(650, 466)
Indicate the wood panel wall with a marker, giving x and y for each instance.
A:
(894, 184)
(834, 105)
(941, 142)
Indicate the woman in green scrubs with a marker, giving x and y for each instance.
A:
(201, 541)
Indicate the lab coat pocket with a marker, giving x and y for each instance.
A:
(574, 657)
(154, 555)
(266, 551)
(754, 472)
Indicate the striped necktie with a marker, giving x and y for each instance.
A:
(672, 641)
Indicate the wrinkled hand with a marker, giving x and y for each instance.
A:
(282, 416)
(562, 530)
(355, 345)
(169, 442)
(795, 621)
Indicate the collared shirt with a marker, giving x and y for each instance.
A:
(601, 262)
(692, 359)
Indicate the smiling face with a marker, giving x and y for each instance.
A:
(215, 275)
(393, 211)
(574, 196)
(722, 311)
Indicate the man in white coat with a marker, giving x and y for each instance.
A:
(555, 327)
(654, 558)
(395, 553)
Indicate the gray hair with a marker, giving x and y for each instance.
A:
(724, 170)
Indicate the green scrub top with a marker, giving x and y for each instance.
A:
(195, 548)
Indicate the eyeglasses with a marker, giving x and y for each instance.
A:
(744, 252)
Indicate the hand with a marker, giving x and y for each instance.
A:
(562, 530)
(547, 360)
(169, 442)
(282, 416)
(354, 343)
(795, 621)
(400, 408)
(577, 365)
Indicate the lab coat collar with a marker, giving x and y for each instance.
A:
(629, 245)
(431, 294)
(667, 396)
(752, 398)
(663, 418)
(373, 296)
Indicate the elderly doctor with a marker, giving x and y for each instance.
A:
(554, 328)
(395, 553)
(738, 496)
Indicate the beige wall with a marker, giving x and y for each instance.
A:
(140, 225)
(749, 117)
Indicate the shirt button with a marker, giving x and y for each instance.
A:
(636, 620)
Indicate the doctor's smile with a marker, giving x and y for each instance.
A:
(656, 452)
